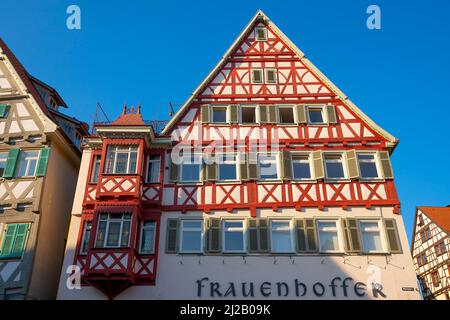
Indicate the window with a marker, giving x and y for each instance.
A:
(281, 236)
(3, 159)
(190, 168)
(267, 166)
(27, 163)
(153, 169)
(435, 278)
(271, 75)
(421, 222)
(233, 236)
(328, 236)
(257, 76)
(260, 34)
(86, 237)
(301, 167)
(219, 114)
(368, 166)
(113, 230)
(371, 236)
(227, 167)
(286, 115)
(334, 166)
(191, 236)
(316, 115)
(440, 248)
(95, 168)
(425, 234)
(121, 159)
(248, 114)
(148, 237)
(422, 259)
(14, 240)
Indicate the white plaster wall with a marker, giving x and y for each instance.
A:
(177, 275)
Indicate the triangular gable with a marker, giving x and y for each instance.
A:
(229, 81)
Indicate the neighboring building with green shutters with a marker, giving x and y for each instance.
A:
(39, 161)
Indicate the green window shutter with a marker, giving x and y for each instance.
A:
(319, 172)
(252, 235)
(352, 164)
(11, 163)
(20, 240)
(3, 110)
(211, 172)
(205, 114)
(262, 114)
(172, 236)
(213, 235)
(252, 166)
(352, 239)
(272, 114)
(311, 235)
(285, 156)
(386, 165)
(174, 171)
(243, 166)
(234, 112)
(332, 116)
(8, 240)
(43, 161)
(301, 235)
(392, 236)
(301, 113)
(263, 235)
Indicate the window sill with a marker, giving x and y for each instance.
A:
(318, 124)
(328, 180)
(230, 182)
(277, 181)
(188, 183)
(372, 180)
(10, 258)
(304, 181)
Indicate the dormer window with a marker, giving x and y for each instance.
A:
(261, 34)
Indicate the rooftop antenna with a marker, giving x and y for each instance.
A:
(171, 111)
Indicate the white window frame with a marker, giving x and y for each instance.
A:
(28, 160)
(227, 114)
(235, 229)
(255, 108)
(265, 34)
(310, 162)
(108, 221)
(382, 235)
(266, 71)
(291, 234)
(277, 162)
(376, 158)
(152, 227)
(97, 159)
(83, 238)
(198, 156)
(202, 237)
(223, 158)
(338, 232)
(158, 180)
(344, 164)
(324, 115)
(262, 75)
(279, 115)
(117, 151)
(5, 159)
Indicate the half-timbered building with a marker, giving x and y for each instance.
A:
(430, 251)
(39, 161)
(267, 183)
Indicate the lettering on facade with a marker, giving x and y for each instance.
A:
(338, 287)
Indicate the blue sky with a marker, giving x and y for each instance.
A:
(156, 52)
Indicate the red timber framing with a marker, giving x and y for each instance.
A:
(298, 82)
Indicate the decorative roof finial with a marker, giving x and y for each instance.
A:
(124, 108)
(139, 108)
